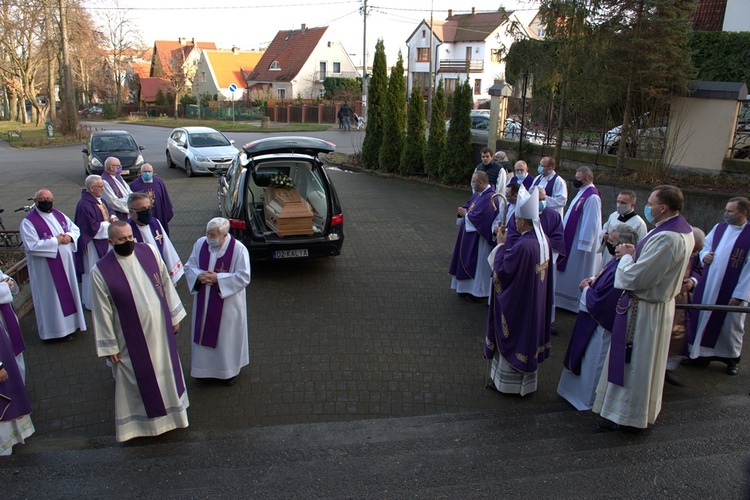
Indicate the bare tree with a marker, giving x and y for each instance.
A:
(122, 41)
(181, 72)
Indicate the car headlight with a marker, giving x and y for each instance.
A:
(139, 160)
(202, 159)
(95, 162)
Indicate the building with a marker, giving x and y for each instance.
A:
(218, 69)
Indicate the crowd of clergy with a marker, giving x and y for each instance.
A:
(115, 258)
(524, 250)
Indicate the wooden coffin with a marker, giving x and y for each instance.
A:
(287, 214)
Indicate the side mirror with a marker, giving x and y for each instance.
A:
(141, 147)
(85, 151)
(231, 141)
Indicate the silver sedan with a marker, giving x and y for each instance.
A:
(199, 150)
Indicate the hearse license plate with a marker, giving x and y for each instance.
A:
(125, 172)
(290, 254)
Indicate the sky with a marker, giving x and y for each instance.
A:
(253, 24)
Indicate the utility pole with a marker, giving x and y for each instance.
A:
(364, 61)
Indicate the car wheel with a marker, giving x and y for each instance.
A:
(613, 149)
(189, 168)
(170, 163)
(743, 154)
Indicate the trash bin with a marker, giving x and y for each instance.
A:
(50, 129)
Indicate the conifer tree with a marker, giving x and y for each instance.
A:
(436, 141)
(376, 97)
(455, 164)
(394, 123)
(412, 157)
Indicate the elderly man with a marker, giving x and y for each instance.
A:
(161, 204)
(469, 267)
(15, 417)
(522, 176)
(148, 229)
(93, 218)
(589, 341)
(116, 190)
(581, 225)
(218, 273)
(501, 159)
(136, 313)
(50, 239)
(518, 323)
(625, 214)
(718, 335)
(632, 383)
(9, 321)
(554, 185)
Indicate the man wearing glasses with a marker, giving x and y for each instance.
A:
(116, 190)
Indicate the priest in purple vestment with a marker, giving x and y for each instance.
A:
(15, 407)
(469, 267)
(517, 341)
(161, 204)
(116, 190)
(522, 175)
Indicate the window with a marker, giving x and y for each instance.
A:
(496, 55)
(422, 78)
(477, 87)
(323, 67)
(450, 85)
(424, 33)
(281, 93)
(203, 77)
(275, 66)
(423, 54)
(336, 68)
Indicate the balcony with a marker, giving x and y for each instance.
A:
(461, 65)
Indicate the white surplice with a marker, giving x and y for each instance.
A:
(171, 259)
(656, 279)
(117, 204)
(131, 419)
(636, 222)
(583, 260)
(559, 197)
(90, 257)
(49, 316)
(729, 342)
(231, 352)
(7, 291)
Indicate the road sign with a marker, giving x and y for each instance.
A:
(232, 87)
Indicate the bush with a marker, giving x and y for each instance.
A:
(110, 111)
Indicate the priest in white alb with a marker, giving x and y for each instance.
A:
(217, 274)
(50, 239)
(136, 313)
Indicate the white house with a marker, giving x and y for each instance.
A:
(218, 69)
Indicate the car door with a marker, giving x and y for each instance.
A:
(178, 149)
(480, 129)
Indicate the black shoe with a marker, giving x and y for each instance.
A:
(68, 338)
(673, 379)
(696, 363)
(733, 368)
(230, 381)
(472, 298)
(554, 331)
(608, 427)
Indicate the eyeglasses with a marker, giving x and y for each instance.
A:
(144, 209)
(97, 185)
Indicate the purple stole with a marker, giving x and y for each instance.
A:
(14, 401)
(481, 214)
(731, 277)
(619, 348)
(527, 182)
(207, 334)
(153, 225)
(550, 184)
(601, 301)
(89, 213)
(111, 181)
(132, 330)
(56, 266)
(569, 231)
(13, 328)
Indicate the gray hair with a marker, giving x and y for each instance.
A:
(219, 223)
(91, 179)
(108, 161)
(587, 173)
(700, 238)
(500, 155)
(137, 195)
(39, 193)
(625, 234)
(146, 165)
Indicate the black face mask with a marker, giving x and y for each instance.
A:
(144, 216)
(44, 206)
(610, 247)
(124, 249)
(577, 184)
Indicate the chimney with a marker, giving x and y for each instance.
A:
(450, 12)
(182, 40)
(192, 40)
(235, 50)
(304, 28)
(472, 11)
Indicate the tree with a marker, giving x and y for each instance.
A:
(436, 141)
(342, 89)
(376, 96)
(123, 39)
(455, 163)
(412, 157)
(721, 56)
(395, 119)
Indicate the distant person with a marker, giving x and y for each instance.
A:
(489, 166)
(554, 185)
(625, 214)
(340, 116)
(150, 184)
(148, 229)
(346, 113)
(49, 240)
(136, 313)
(218, 273)
(502, 159)
(116, 190)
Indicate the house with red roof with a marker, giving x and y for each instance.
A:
(218, 69)
(150, 87)
(297, 61)
(180, 58)
(722, 15)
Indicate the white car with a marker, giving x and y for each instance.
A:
(199, 150)
(646, 137)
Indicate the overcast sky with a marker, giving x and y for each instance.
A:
(253, 24)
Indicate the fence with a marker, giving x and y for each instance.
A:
(241, 113)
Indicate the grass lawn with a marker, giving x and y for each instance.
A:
(29, 136)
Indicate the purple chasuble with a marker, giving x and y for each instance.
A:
(14, 401)
(550, 184)
(601, 301)
(728, 284)
(481, 214)
(132, 330)
(160, 200)
(552, 225)
(618, 347)
(513, 234)
(207, 333)
(518, 323)
(13, 328)
(155, 229)
(90, 213)
(56, 266)
(572, 224)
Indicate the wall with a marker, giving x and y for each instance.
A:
(737, 16)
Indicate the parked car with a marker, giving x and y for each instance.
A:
(95, 111)
(118, 143)
(247, 182)
(647, 137)
(480, 128)
(741, 142)
(199, 150)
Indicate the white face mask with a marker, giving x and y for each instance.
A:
(623, 209)
(521, 176)
(213, 242)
